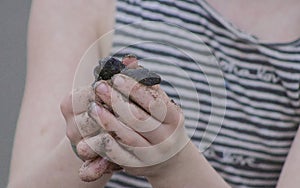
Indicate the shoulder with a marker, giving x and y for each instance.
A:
(97, 14)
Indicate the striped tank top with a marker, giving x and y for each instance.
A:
(240, 96)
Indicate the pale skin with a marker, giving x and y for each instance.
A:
(59, 33)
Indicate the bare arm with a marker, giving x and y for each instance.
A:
(59, 33)
(192, 170)
(290, 174)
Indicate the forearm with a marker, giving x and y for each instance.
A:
(57, 38)
(194, 171)
(58, 169)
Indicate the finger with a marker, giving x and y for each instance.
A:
(114, 152)
(134, 117)
(80, 99)
(130, 61)
(103, 91)
(80, 126)
(86, 125)
(137, 119)
(72, 131)
(85, 152)
(127, 112)
(122, 132)
(127, 156)
(131, 115)
(151, 98)
(77, 102)
(93, 169)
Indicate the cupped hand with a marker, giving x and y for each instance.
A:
(146, 128)
(80, 127)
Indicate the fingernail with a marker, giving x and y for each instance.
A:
(95, 85)
(101, 88)
(118, 80)
(95, 109)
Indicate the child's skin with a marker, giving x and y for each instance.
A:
(55, 46)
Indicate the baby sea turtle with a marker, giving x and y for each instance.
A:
(110, 66)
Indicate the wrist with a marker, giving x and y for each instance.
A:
(188, 168)
(174, 169)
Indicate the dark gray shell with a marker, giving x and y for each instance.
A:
(143, 76)
(110, 66)
(107, 68)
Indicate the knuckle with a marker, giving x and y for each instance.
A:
(72, 135)
(181, 119)
(129, 120)
(130, 141)
(86, 125)
(86, 92)
(106, 139)
(82, 98)
(85, 151)
(66, 105)
(81, 147)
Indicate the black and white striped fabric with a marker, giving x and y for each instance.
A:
(240, 96)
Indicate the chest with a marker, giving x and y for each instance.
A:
(267, 20)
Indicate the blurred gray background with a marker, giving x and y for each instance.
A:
(13, 30)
